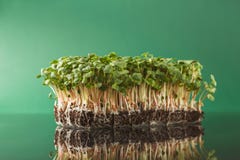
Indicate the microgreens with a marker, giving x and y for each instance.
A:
(177, 79)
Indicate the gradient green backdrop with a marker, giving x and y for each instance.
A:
(32, 33)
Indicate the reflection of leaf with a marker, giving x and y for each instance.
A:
(211, 155)
(53, 155)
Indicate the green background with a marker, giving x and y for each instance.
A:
(32, 33)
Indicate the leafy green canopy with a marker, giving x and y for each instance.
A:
(121, 73)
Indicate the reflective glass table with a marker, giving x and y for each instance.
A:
(36, 136)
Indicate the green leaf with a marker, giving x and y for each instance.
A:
(119, 63)
(107, 69)
(53, 75)
(54, 62)
(137, 78)
(42, 71)
(89, 74)
(38, 76)
(213, 81)
(211, 89)
(116, 86)
(98, 85)
(210, 97)
(47, 82)
(84, 80)
(86, 69)
(123, 72)
(50, 95)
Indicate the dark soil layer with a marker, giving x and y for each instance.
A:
(123, 118)
(84, 138)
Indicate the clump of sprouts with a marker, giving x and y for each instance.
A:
(113, 83)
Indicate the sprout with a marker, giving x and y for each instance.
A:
(104, 82)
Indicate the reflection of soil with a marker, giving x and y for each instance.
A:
(170, 142)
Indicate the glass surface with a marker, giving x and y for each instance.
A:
(31, 136)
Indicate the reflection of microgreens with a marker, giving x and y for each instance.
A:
(112, 83)
(156, 143)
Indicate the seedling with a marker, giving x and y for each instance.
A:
(113, 84)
